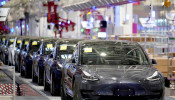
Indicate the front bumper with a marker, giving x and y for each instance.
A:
(95, 91)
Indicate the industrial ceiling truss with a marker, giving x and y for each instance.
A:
(89, 4)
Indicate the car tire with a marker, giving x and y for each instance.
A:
(167, 82)
(76, 92)
(19, 66)
(26, 73)
(64, 96)
(9, 63)
(34, 79)
(21, 71)
(52, 87)
(16, 68)
(46, 85)
(40, 81)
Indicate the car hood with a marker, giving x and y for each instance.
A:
(107, 72)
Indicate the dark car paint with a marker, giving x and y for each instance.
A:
(53, 66)
(5, 50)
(18, 54)
(113, 81)
(26, 60)
(3, 43)
(1, 46)
(38, 62)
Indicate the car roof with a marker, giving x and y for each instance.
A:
(109, 41)
(50, 39)
(71, 39)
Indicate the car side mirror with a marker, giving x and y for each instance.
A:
(51, 55)
(154, 62)
(38, 52)
(25, 49)
(73, 60)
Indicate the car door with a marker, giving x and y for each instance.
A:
(23, 58)
(37, 58)
(17, 51)
(46, 65)
(49, 62)
(18, 48)
(70, 70)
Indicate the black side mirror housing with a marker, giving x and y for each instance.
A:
(51, 55)
(73, 60)
(154, 62)
(38, 52)
(25, 49)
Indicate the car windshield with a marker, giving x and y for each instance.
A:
(34, 45)
(11, 41)
(49, 47)
(24, 43)
(4, 41)
(112, 53)
(66, 49)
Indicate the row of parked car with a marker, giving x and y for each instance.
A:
(85, 69)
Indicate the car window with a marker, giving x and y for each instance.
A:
(11, 41)
(18, 42)
(75, 55)
(49, 47)
(65, 51)
(113, 54)
(34, 45)
(24, 43)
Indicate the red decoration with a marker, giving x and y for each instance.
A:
(53, 18)
(137, 3)
(3, 28)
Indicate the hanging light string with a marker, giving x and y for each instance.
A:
(149, 17)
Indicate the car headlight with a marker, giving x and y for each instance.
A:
(90, 77)
(154, 77)
(6, 50)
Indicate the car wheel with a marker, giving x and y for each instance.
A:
(21, 71)
(46, 85)
(76, 92)
(34, 79)
(52, 86)
(9, 63)
(40, 81)
(25, 72)
(16, 68)
(64, 96)
(19, 64)
(3, 58)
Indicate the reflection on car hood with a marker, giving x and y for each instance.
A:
(133, 72)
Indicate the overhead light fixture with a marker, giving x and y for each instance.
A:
(89, 13)
(153, 14)
(12, 30)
